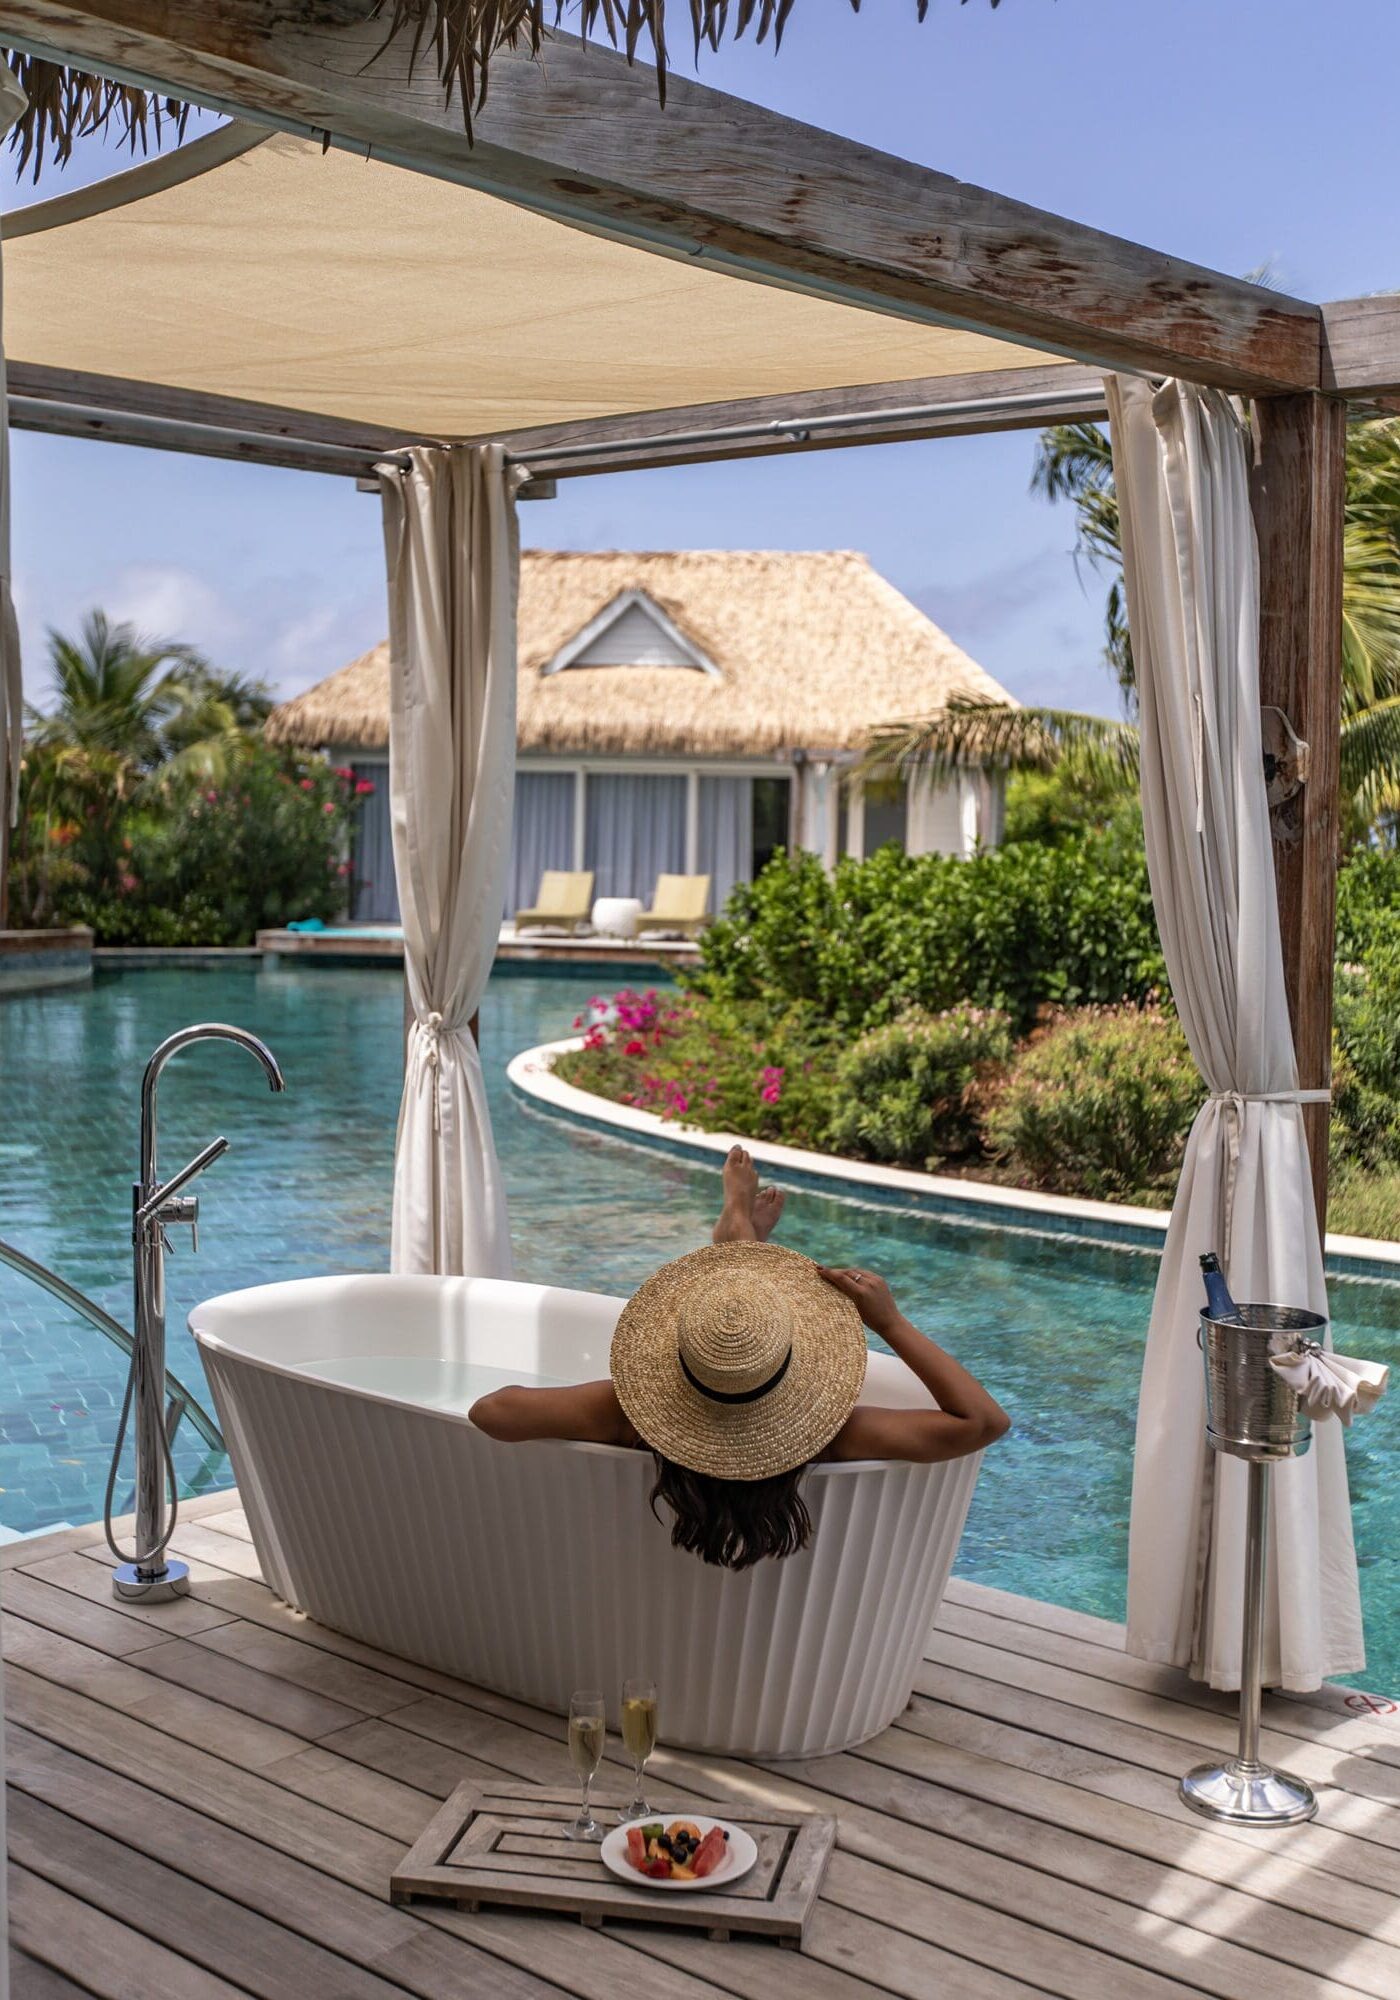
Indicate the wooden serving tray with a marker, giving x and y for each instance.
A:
(507, 1844)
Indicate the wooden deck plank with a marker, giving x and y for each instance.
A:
(100, 1954)
(1350, 1789)
(220, 1935)
(344, 1920)
(31, 1981)
(1016, 1834)
(82, 1577)
(980, 1644)
(587, 1964)
(1115, 1803)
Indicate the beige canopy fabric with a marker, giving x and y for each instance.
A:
(266, 269)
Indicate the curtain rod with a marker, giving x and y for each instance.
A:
(137, 427)
(798, 430)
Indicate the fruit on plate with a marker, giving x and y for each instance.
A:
(710, 1853)
(673, 1853)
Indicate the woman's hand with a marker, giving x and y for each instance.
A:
(870, 1295)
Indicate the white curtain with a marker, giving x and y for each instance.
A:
(726, 835)
(1191, 573)
(544, 833)
(452, 550)
(634, 830)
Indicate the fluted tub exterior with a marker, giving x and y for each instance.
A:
(537, 1569)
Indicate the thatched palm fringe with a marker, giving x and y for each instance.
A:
(67, 104)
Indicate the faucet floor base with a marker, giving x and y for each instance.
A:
(146, 1587)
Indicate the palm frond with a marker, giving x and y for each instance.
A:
(462, 36)
(972, 731)
(1370, 759)
(67, 104)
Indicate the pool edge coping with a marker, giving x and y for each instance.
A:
(982, 1203)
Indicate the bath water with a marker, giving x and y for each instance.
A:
(431, 1384)
(1054, 1327)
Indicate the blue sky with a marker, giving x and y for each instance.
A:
(1235, 133)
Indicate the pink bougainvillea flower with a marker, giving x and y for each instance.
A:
(635, 1048)
(307, 785)
(363, 788)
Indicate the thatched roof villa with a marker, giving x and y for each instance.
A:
(689, 712)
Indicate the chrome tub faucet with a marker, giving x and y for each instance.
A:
(156, 1206)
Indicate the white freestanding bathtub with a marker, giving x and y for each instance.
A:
(377, 1508)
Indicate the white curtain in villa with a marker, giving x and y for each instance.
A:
(726, 835)
(634, 830)
(452, 550)
(544, 833)
(1191, 574)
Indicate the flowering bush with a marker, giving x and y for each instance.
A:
(721, 1067)
(913, 1090)
(1098, 1103)
(214, 863)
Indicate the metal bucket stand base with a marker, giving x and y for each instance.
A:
(141, 1586)
(1247, 1794)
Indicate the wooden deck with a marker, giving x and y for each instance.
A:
(206, 1799)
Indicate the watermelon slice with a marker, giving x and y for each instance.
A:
(711, 1852)
(636, 1847)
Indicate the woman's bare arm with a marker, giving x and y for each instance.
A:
(967, 1418)
(588, 1412)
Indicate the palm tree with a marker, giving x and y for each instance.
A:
(143, 711)
(116, 692)
(1074, 462)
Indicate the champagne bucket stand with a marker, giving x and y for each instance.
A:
(1251, 1413)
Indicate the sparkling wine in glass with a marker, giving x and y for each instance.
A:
(639, 1737)
(587, 1734)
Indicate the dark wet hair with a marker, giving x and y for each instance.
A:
(733, 1523)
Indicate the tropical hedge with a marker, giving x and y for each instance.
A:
(1005, 1017)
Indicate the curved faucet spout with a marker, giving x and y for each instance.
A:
(204, 1031)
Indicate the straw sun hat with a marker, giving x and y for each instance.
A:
(738, 1361)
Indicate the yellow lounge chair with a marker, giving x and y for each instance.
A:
(681, 903)
(564, 903)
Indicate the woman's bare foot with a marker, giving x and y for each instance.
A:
(767, 1210)
(736, 1223)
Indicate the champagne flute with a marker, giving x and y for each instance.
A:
(587, 1734)
(639, 1736)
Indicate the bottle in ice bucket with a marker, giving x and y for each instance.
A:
(1219, 1304)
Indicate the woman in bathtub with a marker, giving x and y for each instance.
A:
(738, 1367)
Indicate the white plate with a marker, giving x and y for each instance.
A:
(741, 1856)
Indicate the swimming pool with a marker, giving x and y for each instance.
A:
(1055, 1327)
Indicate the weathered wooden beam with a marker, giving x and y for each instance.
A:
(1299, 495)
(1007, 399)
(1361, 347)
(70, 403)
(582, 137)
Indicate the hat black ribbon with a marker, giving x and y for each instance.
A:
(742, 1395)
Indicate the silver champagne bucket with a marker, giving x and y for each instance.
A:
(1250, 1410)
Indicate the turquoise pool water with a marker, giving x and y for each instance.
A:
(1055, 1328)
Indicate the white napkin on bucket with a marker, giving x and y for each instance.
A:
(1332, 1385)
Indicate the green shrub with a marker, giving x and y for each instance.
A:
(179, 862)
(1014, 930)
(1364, 1203)
(910, 1091)
(1099, 1104)
(1368, 904)
(1366, 1059)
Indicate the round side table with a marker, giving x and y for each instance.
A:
(616, 916)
